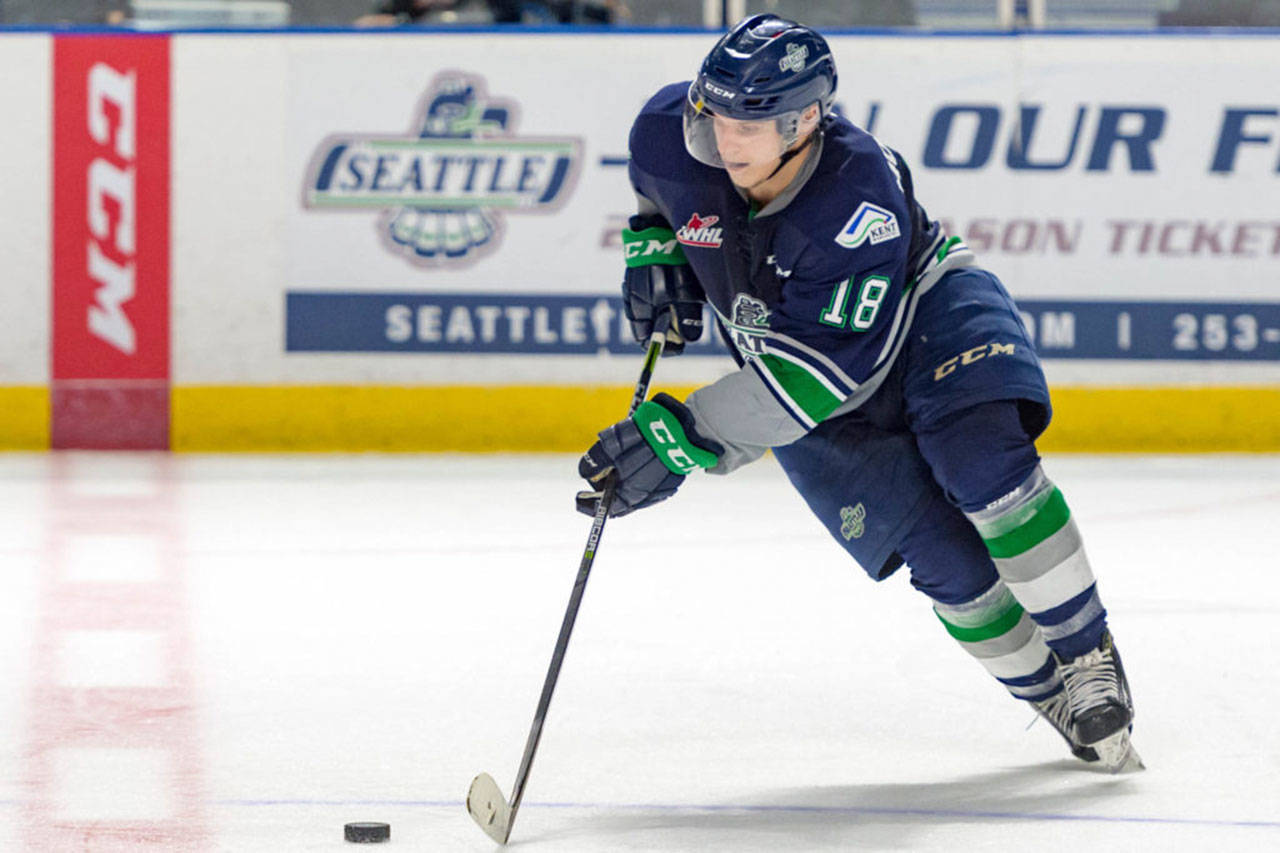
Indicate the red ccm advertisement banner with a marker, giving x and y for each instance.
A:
(111, 241)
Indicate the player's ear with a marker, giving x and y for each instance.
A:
(808, 119)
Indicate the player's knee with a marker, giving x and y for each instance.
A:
(981, 453)
(949, 562)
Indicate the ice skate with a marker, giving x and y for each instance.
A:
(1057, 710)
(1101, 707)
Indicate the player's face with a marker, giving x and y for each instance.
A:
(749, 149)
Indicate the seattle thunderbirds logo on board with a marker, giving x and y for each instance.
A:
(444, 187)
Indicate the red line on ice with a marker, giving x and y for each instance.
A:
(160, 718)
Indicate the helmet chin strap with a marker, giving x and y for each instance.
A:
(787, 157)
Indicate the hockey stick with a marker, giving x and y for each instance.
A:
(485, 802)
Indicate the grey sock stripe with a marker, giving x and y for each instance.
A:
(1043, 558)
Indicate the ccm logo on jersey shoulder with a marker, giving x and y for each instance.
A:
(870, 223)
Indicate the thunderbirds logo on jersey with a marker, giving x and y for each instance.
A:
(870, 223)
(443, 188)
(698, 232)
(852, 521)
(749, 325)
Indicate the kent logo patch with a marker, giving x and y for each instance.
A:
(698, 231)
(870, 223)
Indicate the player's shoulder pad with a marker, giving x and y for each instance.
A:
(855, 213)
(656, 142)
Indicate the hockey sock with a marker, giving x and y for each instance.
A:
(996, 630)
(1038, 552)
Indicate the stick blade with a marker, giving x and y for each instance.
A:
(488, 808)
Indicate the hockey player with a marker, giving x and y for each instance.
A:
(891, 376)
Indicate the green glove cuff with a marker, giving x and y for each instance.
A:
(667, 437)
(652, 246)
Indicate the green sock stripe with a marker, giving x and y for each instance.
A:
(1002, 624)
(1051, 517)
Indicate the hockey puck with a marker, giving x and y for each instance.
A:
(365, 832)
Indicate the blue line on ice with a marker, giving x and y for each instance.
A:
(665, 807)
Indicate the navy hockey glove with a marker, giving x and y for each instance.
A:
(658, 279)
(649, 453)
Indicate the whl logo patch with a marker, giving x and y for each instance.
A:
(698, 231)
(870, 223)
(445, 186)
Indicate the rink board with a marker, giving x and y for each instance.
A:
(405, 240)
(556, 418)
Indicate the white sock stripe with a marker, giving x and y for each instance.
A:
(1043, 557)
(1025, 661)
(1091, 610)
(1055, 587)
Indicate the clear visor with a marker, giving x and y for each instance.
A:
(709, 138)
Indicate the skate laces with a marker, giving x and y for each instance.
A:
(1056, 710)
(1091, 680)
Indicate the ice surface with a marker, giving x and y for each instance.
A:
(355, 637)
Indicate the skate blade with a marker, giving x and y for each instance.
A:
(488, 808)
(1116, 754)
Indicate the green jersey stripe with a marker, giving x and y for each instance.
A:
(812, 369)
(811, 394)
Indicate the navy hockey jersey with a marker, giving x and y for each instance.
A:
(816, 291)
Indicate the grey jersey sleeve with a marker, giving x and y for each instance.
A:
(644, 206)
(741, 413)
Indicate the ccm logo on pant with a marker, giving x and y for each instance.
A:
(969, 356)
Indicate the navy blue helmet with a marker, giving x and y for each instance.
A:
(764, 68)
